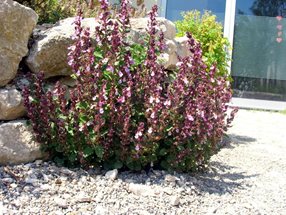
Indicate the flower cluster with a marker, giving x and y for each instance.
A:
(124, 111)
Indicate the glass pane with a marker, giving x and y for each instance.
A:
(175, 8)
(259, 53)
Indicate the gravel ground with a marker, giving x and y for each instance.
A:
(246, 177)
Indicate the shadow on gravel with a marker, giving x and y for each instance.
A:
(232, 140)
(219, 179)
(222, 179)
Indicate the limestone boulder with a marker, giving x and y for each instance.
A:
(176, 47)
(139, 26)
(170, 55)
(17, 144)
(50, 48)
(11, 104)
(182, 46)
(16, 25)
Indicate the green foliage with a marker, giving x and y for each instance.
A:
(206, 30)
(50, 11)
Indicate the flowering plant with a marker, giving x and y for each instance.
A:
(123, 112)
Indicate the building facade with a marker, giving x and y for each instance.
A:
(255, 29)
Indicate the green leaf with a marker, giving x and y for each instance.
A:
(59, 148)
(98, 54)
(83, 119)
(163, 152)
(117, 165)
(134, 165)
(164, 164)
(107, 75)
(82, 105)
(73, 76)
(69, 130)
(88, 151)
(99, 151)
(169, 128)
(72, 157)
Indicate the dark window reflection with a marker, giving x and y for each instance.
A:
(259, 65)
(261, 7)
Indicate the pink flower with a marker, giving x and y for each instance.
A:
(121, 99)
(279, 27)
(110, 68)
(137, 147)
(279, 39)
(138, 134)
(167, 103)
(190, 117)
(279, 18)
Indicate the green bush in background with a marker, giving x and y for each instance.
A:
(209, 33)
(51, 11)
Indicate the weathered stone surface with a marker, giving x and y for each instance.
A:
(50, 48)
(170, 56)
(11, 104)
(139, 26)
(182, 46)
(112, 174)
(49, 51)
(16, 25)
(17, 144)
(176, 47)
(142, 190)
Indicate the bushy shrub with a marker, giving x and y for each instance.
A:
(206, 30)
(50, 11)
(123, 112)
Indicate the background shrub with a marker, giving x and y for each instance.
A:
(122, 112)
(50, 11)
(206, 30)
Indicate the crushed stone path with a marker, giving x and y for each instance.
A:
(247, 176)
(254, 160)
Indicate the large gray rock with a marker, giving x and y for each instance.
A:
(11, 104)
(182, 46)
(17, 144)
(139, 26)
(50, 48)
(16, 25)
(176, 47)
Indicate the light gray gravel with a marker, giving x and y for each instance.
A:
(248, 176)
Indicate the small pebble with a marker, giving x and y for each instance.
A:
(112, 174)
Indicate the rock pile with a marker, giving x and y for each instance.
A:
(16, 25)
